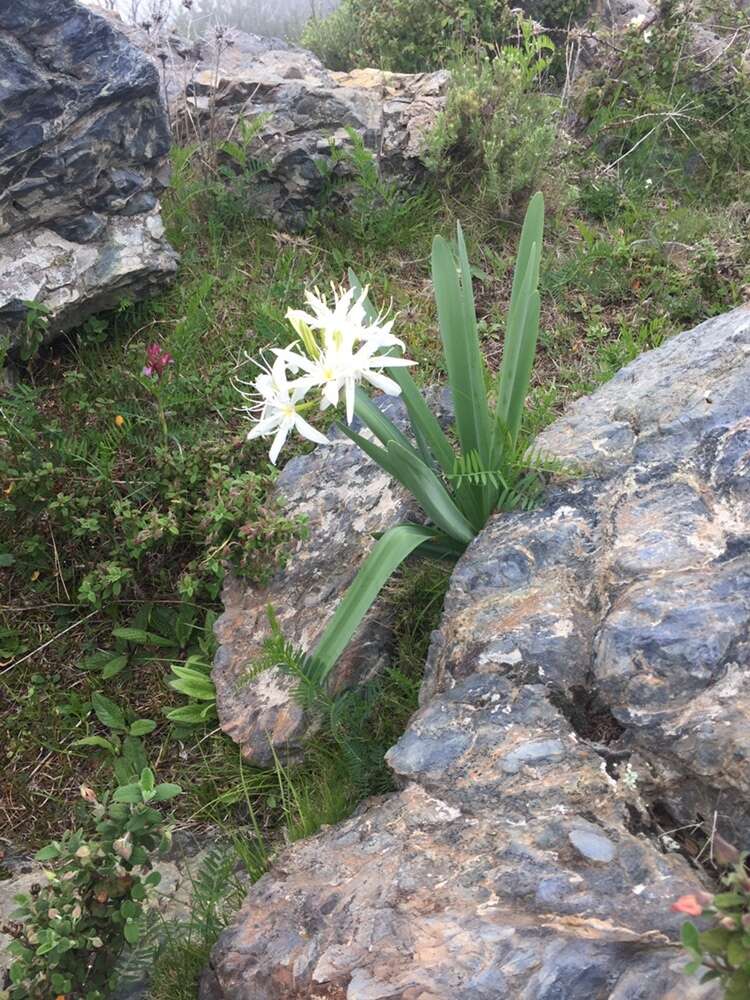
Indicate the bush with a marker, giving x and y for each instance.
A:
(71, 931)
(663, 111)
(406, 36)
(498, 129)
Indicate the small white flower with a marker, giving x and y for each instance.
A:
(279, 414)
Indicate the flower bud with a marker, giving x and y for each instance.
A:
(88, 794)
(730, 923)
(723, 852)
(123, 847)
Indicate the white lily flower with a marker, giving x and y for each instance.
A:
(346, 321)
(278, 403)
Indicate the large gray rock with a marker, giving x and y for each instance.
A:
(84, 142)
(586, 698)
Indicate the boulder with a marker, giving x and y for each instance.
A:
(345, 499)
(300, 114)
(84, 144)
(584, 724)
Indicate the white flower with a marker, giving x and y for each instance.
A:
(346, 321)
(279, 412)
(345, 354)
(340, 367)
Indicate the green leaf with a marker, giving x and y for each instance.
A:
(421, 482)
(47, 853)
(148, 782)
(379, 423)
(192, 715)
(114, 666)
(521, 332)
(386, 556)
(166, 791)
(193, 683)
(142, 727)
(107, 712)
(131, 931)
(725, 900)
(714, 941)
(139, 635)
(130, 794)
(457, 320)
(690, 937)
(95, 741)
(6, 559)
(737, 953)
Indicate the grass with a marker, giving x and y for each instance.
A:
(122, 497)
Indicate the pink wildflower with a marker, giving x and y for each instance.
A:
(688, 904)
(157, 360)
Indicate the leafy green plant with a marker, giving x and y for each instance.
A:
(723, 950)
(498, 129)
(375, 211)
(69, 933)
(406, 36)
(458, 491)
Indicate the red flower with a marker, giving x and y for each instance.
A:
(157, 360)
(688, 904)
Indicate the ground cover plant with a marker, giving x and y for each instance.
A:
(127, 485)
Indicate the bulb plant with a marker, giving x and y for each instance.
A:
(344, 345)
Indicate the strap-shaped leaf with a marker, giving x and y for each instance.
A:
(387, 555)
(378, 422)
(420, 481)
(463, 358)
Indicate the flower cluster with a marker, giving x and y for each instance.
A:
(157, 360)
(337, 350)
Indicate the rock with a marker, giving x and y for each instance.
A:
(302, 113)
(84, 143)
(585, 698)
(345, 499)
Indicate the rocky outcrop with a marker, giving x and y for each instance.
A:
(585, 701)
(302, 113)
(84, 142)
(345, 499)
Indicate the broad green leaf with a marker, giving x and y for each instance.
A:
(193, 683)
(142, 727)
(107, 712)
(95, 741)
(148, 782)
(166, 791)
(691, 938)
(47, 853)
(139, 635)
(131, 931)
(379, 423)
(386, 556)
(114, 666)
(421, 482)
(130, 794)
(192, 715)
(463, 358)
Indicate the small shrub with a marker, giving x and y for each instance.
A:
(660, 111)
(406, 36)
(70, 932)
(722, 950)
(498, 129)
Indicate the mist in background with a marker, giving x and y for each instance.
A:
(279, 18)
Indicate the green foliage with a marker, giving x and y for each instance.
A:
(69, 932)
(498, 130)
(663, 110)
(724, 948)
(171, 511)
(367, 208)
(406, 36)
(216, 894)
(457, 506)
